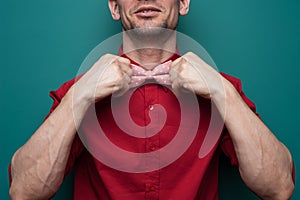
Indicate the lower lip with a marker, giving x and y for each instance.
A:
(147, 14)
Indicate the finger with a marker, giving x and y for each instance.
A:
(176, 84)
(176, 67)
(127, 79)
(123, 86)
(126, 69)
(173, 74)
(176, 62)
(124, 82)
(187, 87)
(176, 87)
(124, 65)
(120, 92)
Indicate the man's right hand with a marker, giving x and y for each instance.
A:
(110, 74)
(37, 172)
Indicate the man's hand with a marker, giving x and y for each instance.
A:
(37, 172)
(110, 74)
(265, 164)
(191, 73)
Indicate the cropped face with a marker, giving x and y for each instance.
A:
(148, 13)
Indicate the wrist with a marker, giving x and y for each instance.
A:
(78, 103)
(224, 96)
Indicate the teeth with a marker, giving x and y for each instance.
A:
(145, 11)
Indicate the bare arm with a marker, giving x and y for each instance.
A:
(38, 167)
(265, 164)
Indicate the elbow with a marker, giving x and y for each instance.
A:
(284, 189)
(13, 193)
(27, 188)
(16, 194)
(284, 193)
(15, 189)
(22, 193)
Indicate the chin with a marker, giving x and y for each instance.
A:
(149, 31)
(150, 27)
(153, 37)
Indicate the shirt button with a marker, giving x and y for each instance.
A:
(151, 107)
(153, 148)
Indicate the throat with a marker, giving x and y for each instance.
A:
(149, 58)
(149, 46)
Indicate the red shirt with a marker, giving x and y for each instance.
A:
(188, 177)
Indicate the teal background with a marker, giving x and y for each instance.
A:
(44, 42)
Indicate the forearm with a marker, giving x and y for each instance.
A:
(265, 164)
(38, 167)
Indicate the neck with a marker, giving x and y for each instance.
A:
(149, 50)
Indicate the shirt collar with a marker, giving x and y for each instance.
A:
(172, 57)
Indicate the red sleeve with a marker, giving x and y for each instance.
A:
(226, 142)
(77, 146)
(294, 173)
(9, 174)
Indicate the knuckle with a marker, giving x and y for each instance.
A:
(190, 53)
(119, 77)
(183, 62)
(123, 60)
(106, 59)
(130, 72)
(183, 73)
(184, 65)
(114, 68)
(118, 60)
(181, 59)
(108, 56)
(115, 62)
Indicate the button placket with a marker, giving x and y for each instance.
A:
(152, 144)
(153, 147)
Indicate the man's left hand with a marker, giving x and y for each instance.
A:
(191, 73)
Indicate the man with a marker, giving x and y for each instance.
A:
(38, 168)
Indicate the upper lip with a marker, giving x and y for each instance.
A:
(143, 8)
